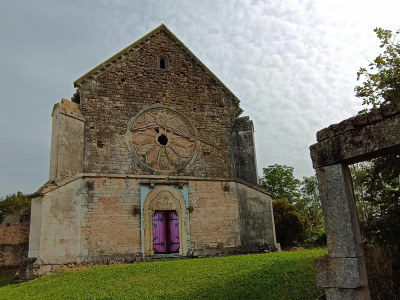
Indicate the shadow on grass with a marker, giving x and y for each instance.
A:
(7, 276)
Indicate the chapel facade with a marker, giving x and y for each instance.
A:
(150, 159)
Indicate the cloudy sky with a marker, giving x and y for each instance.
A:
(292, 63)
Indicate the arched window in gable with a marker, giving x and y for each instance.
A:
(163, 62)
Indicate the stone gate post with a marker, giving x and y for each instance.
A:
(359, 138)
(343, 274)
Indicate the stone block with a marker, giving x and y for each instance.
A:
(339, 211)
(361, 293)
(373, 116)
(346, 272)
(362, 143)
(392, 108)
(322, 134)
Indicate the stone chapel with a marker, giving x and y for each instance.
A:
(150, 159)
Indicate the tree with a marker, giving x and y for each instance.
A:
(15, 204)
(297, 208)
(309, 203)
(382, 81)
(280, 182)
(377, 193)
(291, 228)
(360, 174)
(383, 192)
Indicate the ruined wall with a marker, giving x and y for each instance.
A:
(14, 237)
(133, 83)
(13, 254)
(67, 140)
(243, 150)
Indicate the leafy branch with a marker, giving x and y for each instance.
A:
(382, 81)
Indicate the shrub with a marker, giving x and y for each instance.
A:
(383, 276)
(291, 228)
(316, 238)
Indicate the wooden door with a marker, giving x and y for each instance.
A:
(165, 232)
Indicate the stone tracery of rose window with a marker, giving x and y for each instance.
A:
(162, 139)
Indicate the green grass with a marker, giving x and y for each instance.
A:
(284, 275)
(7, 276)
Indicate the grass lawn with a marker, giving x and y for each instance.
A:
(7, 276)
(284, 275)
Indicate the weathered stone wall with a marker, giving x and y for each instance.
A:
(67, 140)
(14, 229)
(230, 217)
(13, 254)
(55, 231)
(133, 83)
(110, 224)
(256, 218)
(214, 221)
(95, 216)
(14, 237)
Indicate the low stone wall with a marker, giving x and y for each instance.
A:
(13, 255)
(14, 240)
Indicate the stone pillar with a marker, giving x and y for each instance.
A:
(343, 274)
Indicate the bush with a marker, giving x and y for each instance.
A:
(383, 275)
(291, 228)
(316, 238)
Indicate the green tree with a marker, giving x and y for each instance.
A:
(361, 175)
(382, 80)
(309, 203)
(291, 228)
(383, 192)
(280, 182)
(376, 187)
(15, 204)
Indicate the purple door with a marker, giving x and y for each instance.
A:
(159, 232)
(165, 232)
(173, 232)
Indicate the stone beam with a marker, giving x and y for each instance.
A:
(359, 138)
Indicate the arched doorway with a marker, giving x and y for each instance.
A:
(165, 228)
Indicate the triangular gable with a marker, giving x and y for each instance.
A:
(141, 43)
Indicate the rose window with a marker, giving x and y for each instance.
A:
(161, 140)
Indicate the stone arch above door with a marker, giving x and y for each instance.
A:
(164, 198)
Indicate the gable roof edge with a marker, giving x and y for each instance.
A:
(81, 79)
